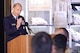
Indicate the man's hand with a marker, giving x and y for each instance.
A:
(19, 22)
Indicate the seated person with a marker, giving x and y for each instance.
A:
(63, 31)
(59, 44)
(41, 43)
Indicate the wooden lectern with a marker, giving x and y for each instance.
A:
(21, 44)
(17, 45)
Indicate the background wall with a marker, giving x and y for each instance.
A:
(7, 11)
(7, 7)
(74, 1)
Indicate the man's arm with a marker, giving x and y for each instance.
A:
(9, 28)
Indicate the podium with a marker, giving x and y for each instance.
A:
(20, 44)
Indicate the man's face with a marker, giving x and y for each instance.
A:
(17, 10)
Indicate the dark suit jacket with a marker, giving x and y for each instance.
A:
(10, 28)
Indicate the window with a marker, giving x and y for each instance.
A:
(39, 16)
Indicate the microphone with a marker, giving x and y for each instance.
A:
(30, 31)
(21, 17)
(23, 21)
(26, 24)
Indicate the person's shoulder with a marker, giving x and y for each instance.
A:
(7, 17)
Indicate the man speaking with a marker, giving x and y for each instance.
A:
(13, 23)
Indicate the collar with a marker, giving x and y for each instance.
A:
(14, 16)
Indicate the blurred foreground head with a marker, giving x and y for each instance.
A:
(42, 43)
(63, 31)
(59, 43)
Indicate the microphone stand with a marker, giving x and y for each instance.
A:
(25, 24)
(28, 29)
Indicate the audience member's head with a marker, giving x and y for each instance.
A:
(63, 31)
(59, 44)
(41, 43)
